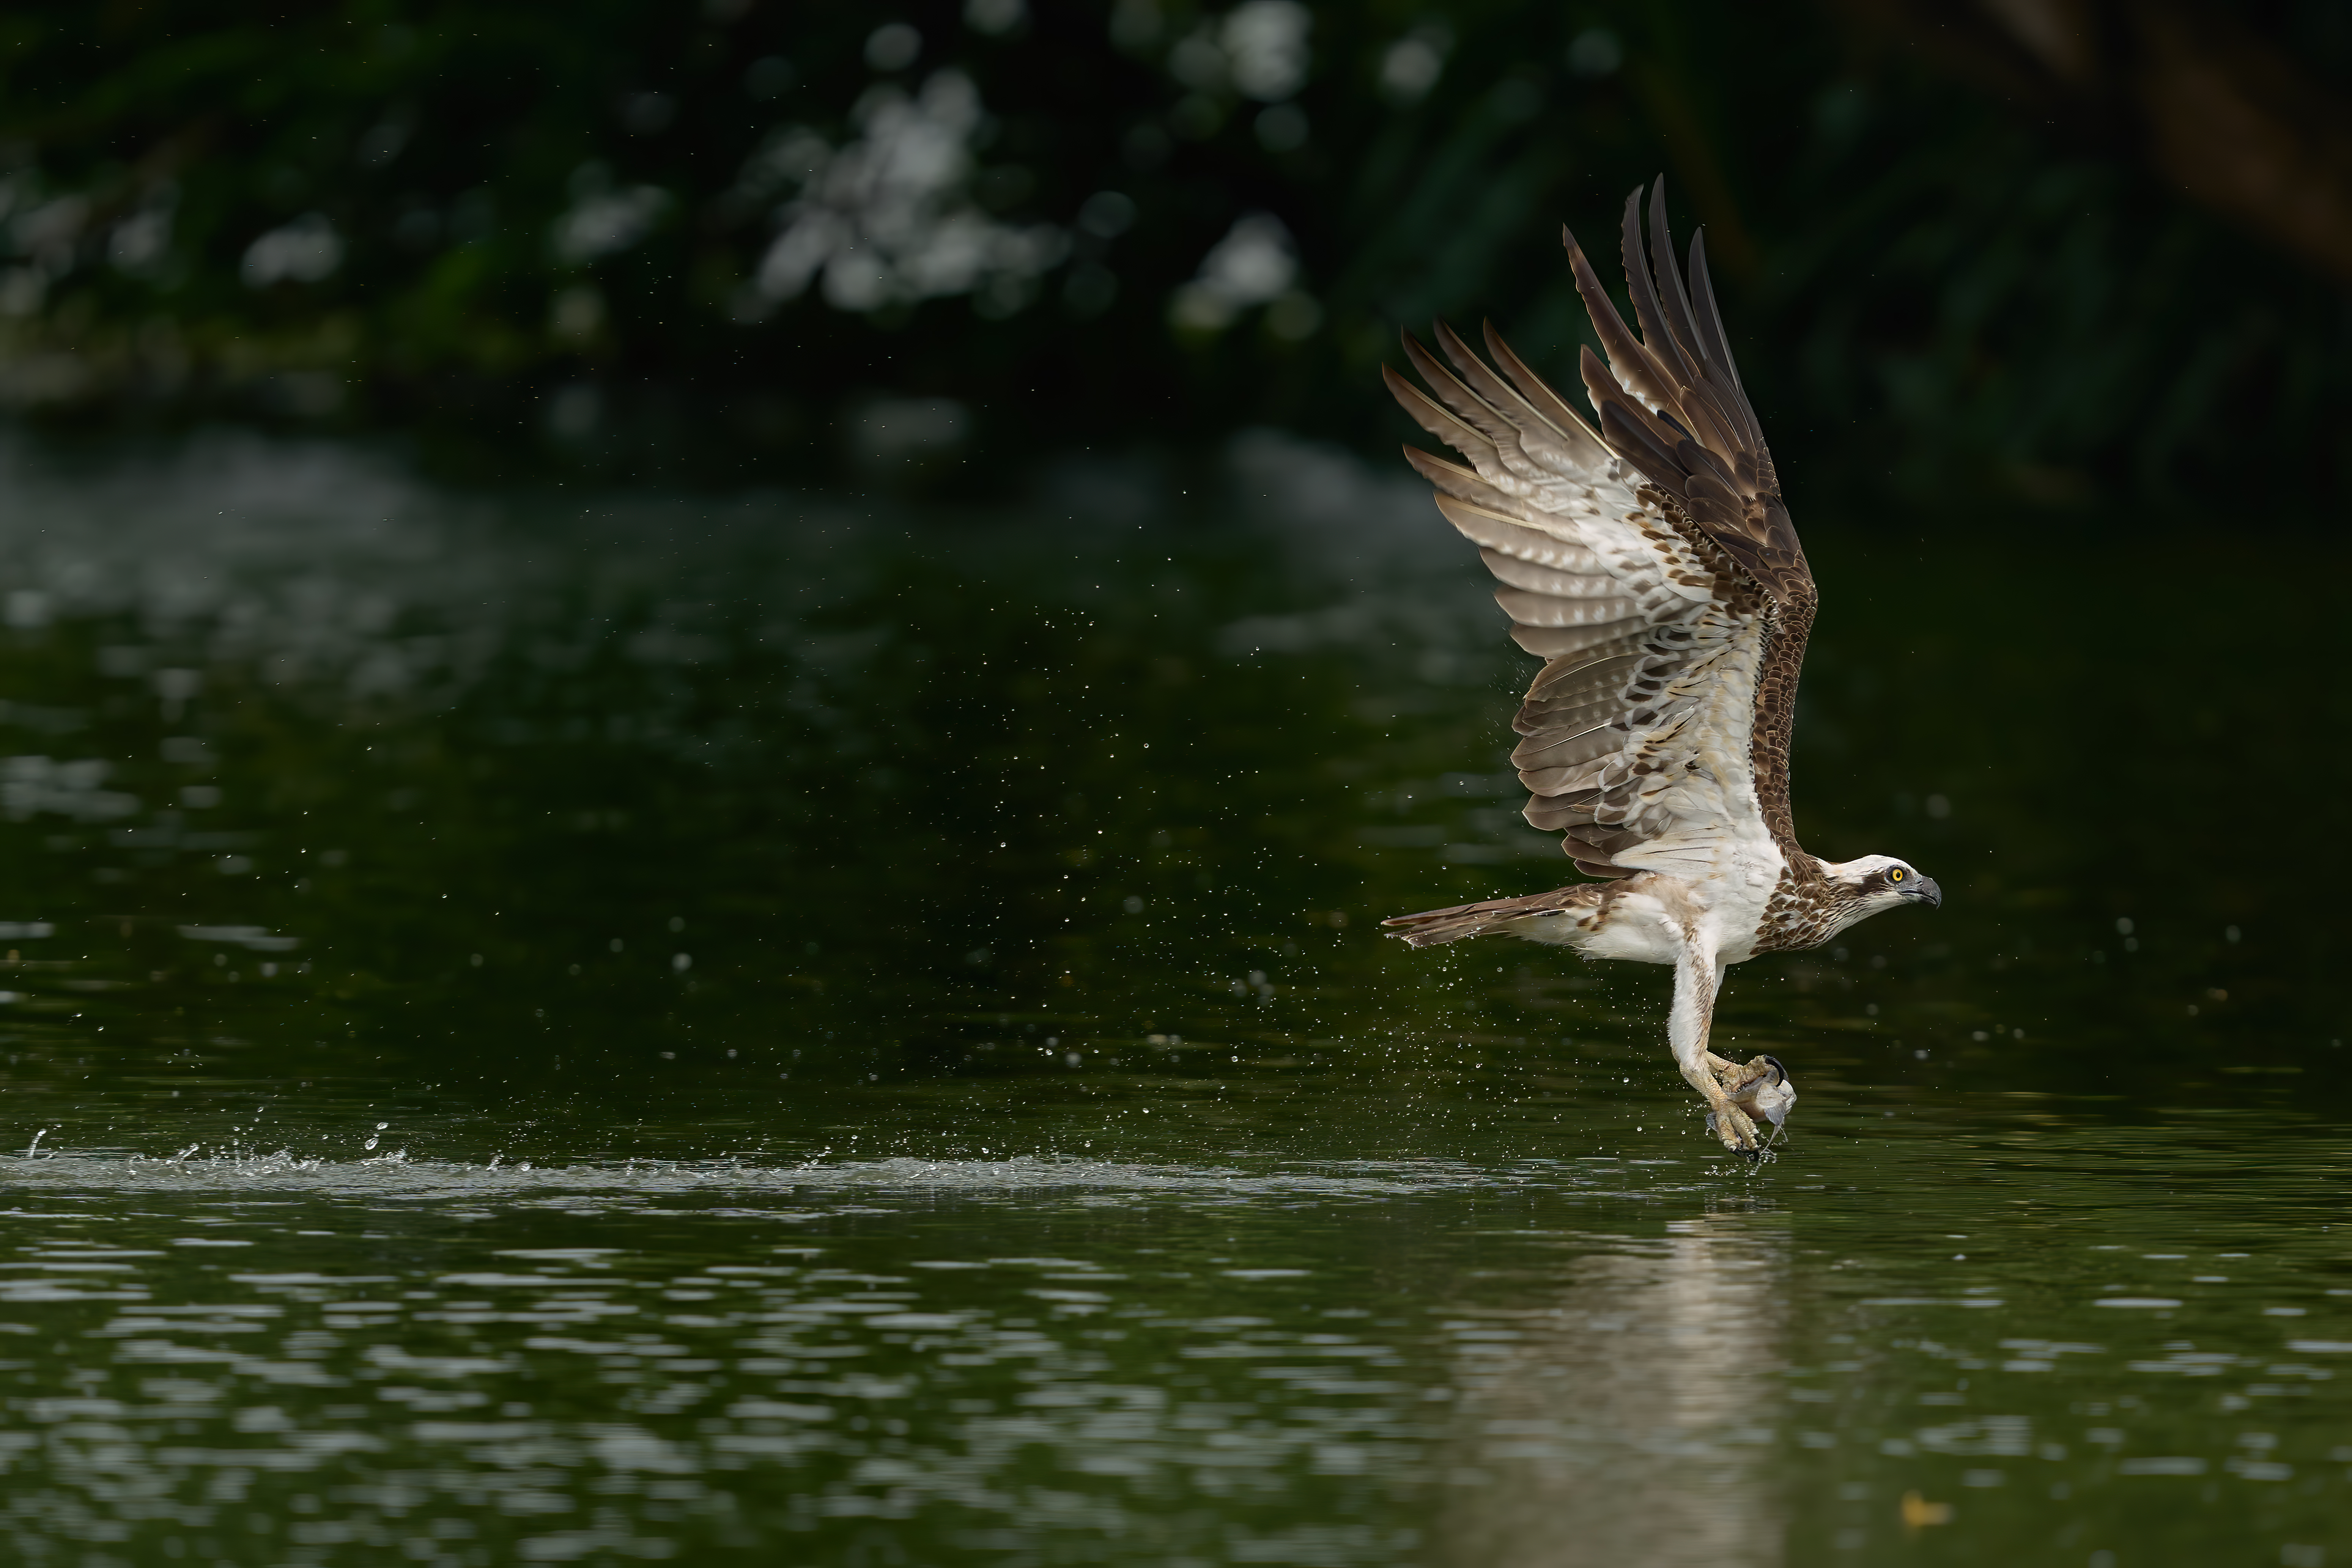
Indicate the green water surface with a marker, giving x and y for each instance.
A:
(584, 1027)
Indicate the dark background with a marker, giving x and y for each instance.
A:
(744, 583)
(2050, 254)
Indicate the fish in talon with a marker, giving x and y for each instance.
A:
(1766, 1093)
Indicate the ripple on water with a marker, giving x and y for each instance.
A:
(1269, 1360)
(396, 1176)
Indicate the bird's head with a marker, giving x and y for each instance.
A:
(1877, 883)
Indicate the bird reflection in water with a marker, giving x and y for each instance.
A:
(1624, 1426)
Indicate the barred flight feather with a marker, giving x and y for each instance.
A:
(1517, 574)
(1551, 610)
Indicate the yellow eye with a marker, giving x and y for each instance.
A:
(1897, 875)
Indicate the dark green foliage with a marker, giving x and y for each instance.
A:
(1934, 299)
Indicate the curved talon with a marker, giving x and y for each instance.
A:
(1750, 1151)
(1732, 1125)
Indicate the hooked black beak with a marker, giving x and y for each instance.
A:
(1928, 891)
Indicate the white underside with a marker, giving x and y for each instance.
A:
(1661, 919)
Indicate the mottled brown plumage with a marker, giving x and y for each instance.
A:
(1704, 452)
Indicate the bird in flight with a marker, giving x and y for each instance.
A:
(1652, 565)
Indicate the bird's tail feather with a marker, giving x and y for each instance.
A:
(1432, 926)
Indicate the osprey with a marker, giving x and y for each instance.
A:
(1652, 566)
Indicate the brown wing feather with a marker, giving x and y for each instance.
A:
(1439, 423)
(1589, 449)
(1703, 447)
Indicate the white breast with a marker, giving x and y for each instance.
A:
(1738, 915)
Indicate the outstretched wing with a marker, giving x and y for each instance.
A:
(1649, 564)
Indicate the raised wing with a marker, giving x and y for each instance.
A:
(1641, 730)
(1672, 405)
